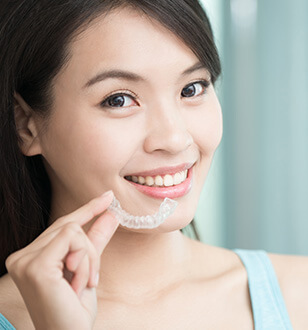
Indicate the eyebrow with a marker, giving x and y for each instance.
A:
(131, 76)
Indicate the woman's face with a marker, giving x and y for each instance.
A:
(132, 101)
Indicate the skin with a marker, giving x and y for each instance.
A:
(149, 279)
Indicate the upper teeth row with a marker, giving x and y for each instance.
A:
(166, 180)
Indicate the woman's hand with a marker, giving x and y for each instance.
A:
(57, 273)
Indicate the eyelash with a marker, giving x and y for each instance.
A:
(128, 93)
(103, 104)
(204, 83)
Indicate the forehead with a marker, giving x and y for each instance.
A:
(130, 40)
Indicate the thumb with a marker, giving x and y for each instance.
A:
(102, 230)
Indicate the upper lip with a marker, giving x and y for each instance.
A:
(164, 170)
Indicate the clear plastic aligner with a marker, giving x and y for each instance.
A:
(166, 208)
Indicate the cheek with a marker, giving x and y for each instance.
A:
(87, 148)
(206, 127)
(110, 146)
(86, 158)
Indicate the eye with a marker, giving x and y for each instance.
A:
(195, 89)
(119, 100)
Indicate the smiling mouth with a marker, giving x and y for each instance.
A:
(167, 180)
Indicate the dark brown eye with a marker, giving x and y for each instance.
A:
(116, 101)
(195, 89)
(189, 91)
(119, 101)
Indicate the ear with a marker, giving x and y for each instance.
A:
(26, 127)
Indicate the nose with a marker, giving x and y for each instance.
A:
(167, 131)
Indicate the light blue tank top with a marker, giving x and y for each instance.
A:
(5, 324)
(269, 310)
(268, 306)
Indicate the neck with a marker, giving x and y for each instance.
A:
(135, 265)
(138, 265)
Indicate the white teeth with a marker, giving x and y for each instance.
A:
(159, 181)
(141, 179)
(183, 175)
(149, 181)
(177, 178)
(167, 180)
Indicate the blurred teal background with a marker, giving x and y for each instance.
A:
(256, 193)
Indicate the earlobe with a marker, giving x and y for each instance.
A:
(26, 127)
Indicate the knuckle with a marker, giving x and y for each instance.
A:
(9, 262)
(13, 261)
(71, 228)
(61, 220)
(21, 267)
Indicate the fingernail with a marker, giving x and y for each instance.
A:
(107, 193)
(96, 279)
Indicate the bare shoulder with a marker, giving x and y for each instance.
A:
(292, 274)
(213, 258)
(221, 282)
(12, 306)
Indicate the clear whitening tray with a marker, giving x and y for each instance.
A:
(166, 208)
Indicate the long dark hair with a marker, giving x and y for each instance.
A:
(34, 38)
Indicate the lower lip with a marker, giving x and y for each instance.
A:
(170, 192)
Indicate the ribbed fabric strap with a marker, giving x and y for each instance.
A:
(268, 306)
(5, 324)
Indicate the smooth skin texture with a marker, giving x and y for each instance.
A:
(149, 279)
(64, 262)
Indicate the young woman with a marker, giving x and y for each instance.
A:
(116, 98)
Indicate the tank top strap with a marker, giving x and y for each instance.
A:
(5, 324)
(268, 306)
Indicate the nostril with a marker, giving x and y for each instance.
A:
(172, 141)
